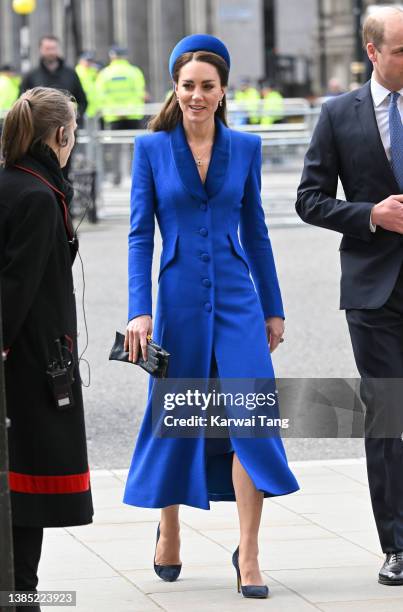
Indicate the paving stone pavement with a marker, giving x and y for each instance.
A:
(318, 551)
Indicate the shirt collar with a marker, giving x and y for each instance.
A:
(379, 92)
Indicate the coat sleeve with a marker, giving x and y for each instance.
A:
(141, 236)
(79, 94)
(316, 201)
(256, 242)
(26, 83)
(29, 243)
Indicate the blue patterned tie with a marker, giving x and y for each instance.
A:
(396, 139)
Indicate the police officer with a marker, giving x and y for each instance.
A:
(273, 105)
(121, 94)
(249, 99)
(87, 73)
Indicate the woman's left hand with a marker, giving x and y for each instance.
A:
(274, 331)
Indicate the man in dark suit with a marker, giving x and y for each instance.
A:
(359, 139)
(53, 72)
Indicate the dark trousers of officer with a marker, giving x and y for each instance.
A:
(377, 339)
(27, 543)
(121, 124)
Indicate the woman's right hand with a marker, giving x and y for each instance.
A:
(136, 336)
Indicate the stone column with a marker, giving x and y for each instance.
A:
(196, 16)
(6, 39)
(88, 24)
(155, 47)
(120, 22)
(240, 25)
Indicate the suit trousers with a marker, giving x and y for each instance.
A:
(27, 543)
(377, 340)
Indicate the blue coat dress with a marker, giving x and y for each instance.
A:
(208, 306)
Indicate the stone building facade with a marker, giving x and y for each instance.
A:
(295, 43)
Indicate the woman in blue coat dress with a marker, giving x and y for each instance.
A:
(201, 180)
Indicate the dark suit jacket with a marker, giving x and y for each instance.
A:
(346, 144)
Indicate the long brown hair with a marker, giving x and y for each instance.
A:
(171, 114)
(33, 118)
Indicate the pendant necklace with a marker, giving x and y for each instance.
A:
(199, 159)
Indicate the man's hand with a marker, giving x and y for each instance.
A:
(274, 331)
(389, 214)
(136, 336)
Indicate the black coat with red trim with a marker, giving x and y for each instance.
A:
(49, 476)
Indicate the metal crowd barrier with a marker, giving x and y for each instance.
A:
(103, 156)
(284, 143)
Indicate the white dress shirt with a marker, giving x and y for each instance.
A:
(380, 99)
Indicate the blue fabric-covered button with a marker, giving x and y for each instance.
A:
(203, 206)
(203, 231)
(208, 307)
(206, 282)
(205, 257)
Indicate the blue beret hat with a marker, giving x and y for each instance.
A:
(198, 42)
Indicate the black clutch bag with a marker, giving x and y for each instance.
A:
(157, 357)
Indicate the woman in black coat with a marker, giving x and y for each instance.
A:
(49, 476)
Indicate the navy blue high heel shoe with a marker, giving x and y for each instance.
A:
(249, 590)
(169, 573)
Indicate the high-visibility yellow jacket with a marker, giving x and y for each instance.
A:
(8, 92)
(88, 76)
(16, 79)
(121, 91)
(273, 108)
(250, 100)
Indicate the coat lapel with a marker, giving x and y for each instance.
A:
(369, 126)
(220, 159)
(186, 165)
